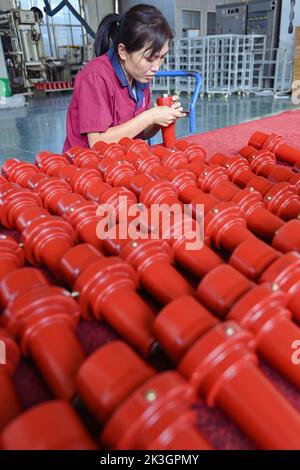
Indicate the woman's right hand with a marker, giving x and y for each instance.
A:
(165, 115)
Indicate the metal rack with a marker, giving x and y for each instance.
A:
(228, 63)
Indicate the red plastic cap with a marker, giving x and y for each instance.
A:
(108, 376)
(50, 426)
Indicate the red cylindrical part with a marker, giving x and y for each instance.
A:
(106, 287)
(168, 133)
(222, 368)
(9, 357)
(52, 425)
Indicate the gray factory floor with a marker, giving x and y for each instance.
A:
(41, 124)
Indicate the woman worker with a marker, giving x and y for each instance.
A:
(111, 98)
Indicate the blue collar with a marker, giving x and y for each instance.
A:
(140, 87)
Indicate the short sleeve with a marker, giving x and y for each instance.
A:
(148, 98)
(94, 104)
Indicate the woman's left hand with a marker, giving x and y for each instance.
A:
(176, 103)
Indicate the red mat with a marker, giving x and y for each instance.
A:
(222, 433)
(231, 139)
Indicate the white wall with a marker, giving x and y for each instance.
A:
(287, 40)
(96, 10)
(5, 5)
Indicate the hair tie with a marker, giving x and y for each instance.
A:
(120, 17)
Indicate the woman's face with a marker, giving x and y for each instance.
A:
(140, 65)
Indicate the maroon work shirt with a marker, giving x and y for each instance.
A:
(102, 98)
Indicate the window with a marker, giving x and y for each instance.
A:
(191, 19)
(211, 23)
(64, 28)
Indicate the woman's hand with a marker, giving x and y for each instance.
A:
(165, 115)
(176, 103)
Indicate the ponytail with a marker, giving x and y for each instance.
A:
(142, 25)
(106, 33)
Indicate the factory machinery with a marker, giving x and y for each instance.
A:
(24, 54)
(23, 47)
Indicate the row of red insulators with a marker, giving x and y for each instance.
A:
(59, 85)
(214, 359)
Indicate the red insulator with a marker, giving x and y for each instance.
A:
(84, 220)
(168, 133)
(72, 152)
(161, 151)
(114, 151)
(192, 152)
(294, 180)
(253, 257)
(259, 309)
(19, 172)
(275, 143)
(27, 215)
(237, 168)
(176, 332)
(225, 226)
(288, 237)
(46, 240)
(146, 162)
(18, 282)
(186, 184)
(263, 163)
(34, 179)
(222, 288)
(83, 179)
(39, 159)
(107, 290)
(285, 273)
(214, 180)
(119, 198)
(175, 160)
(138, 146)
(15, 200)
(43, 319)
(11, 255)
(221, 367)
(90, 185)
(10, 405)
(68, 203)
(9, 165)
(152, 261)
(158, 192)
(52, 164)
(116, 173)
(282, 200)
(257, 140)
(65, 172)
(86, 158)
(50, 191)
(170, 157)
(63, 431)
(146, 411)
(260, 221)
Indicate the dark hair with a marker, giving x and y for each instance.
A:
(141, 25)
